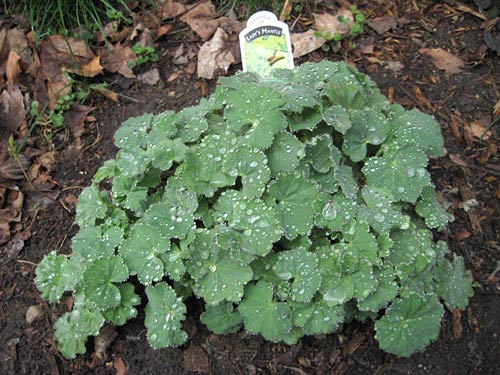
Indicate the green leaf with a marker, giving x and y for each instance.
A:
(380, 213)
(254, 113)
(107, 170)
(317, 318)
(319, 153)
(125, 311)
(412, 251)
(92, 244)
(132, 163)
(349, 95)
(335, 212)
(54, 276)
(301, 268)
(454, 284)
(166, 152)
(295, 197)
(344, 276)
(141, 250)
(386, 291)
(203, 170)
(256, 223)
(173, 261)
(368, 127)
(431, 210)
(360, 242)
(338, 117)
(409, 324)
(192, 122)
(218, 276)
(164, 313)
(306, 120)
(262, 314)
(73, 328)
(222, 318)
(285, 153)
(420, 130)
(163, 126)
(251, 165)
(344, 177)
(99, 288)
(402, 174)
(132, 134)
(91, 207)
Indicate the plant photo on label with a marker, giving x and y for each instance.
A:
(289, 206)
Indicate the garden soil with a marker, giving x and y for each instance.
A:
(467, 180)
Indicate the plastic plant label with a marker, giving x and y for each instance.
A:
(265, 44)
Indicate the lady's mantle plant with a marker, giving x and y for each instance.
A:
(289, 206)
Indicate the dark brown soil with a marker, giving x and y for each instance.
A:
(470, 96)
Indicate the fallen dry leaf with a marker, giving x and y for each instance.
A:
(444, 60)
(457, 160)
(170, 9)
(90, 69)
(15, 40)
(202, 20)
(382, 24)
(326, 22)
(151, 77)
(215, 56)
(115, 60)
(75, 121)
(305, 43)
(457, 324)
(107, 93)
(12, 111)
(119, 366)
(479, 131)
(184, 53)
(286, 10)
(102, 341)
(12, 70)
(173, 76)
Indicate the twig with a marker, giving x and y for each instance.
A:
(27, 262)
(495, 271)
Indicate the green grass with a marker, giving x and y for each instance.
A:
(48, 17)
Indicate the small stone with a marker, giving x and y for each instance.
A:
(34, 313)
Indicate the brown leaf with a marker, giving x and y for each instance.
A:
(90, 69)
(12, 111)
(107, 93)
(215, 56)
(119, 366)
(444, 60)
(115, 59)
(306, 42)
(457, 160)
(202, 20)
(47, 160)
(171, 9)
(173, 76)
(151, 77)
(479, 131)
(114, 33)
(70, 47)
(75, 120)
(382, 24)
(102, 341)
(17, 42)
(12, 70)
(327, 22)
(463, 234)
